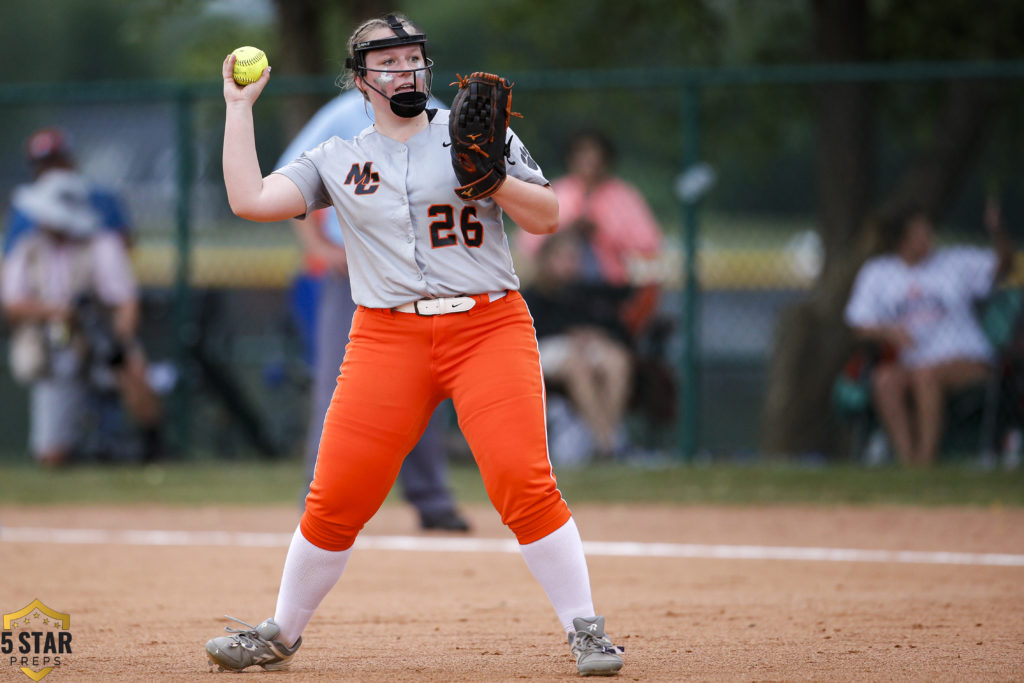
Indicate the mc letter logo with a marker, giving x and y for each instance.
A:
(36, 639)
(365, 179)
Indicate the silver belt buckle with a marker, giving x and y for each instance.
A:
(443, 305)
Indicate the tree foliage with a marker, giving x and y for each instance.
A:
(72, 40)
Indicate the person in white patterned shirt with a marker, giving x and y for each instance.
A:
(919, 302)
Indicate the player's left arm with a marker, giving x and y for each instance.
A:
(532, 207)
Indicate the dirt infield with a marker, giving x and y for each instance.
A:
(143, 612)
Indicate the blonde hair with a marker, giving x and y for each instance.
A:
(347, 79)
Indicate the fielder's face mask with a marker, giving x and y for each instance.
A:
(406, 104)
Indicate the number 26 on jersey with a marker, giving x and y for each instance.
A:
(444, 232)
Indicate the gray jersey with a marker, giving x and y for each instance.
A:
(407, 234)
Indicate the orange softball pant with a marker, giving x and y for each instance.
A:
(397, 368)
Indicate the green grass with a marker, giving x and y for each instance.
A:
(252, 482)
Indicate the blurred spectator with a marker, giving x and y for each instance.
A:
(918, 304)
(603, 259)
(424, 473)
(48, 149)
(69, 292)
(622, 237)
(584, 351)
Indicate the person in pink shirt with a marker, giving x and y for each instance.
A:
(621, 231)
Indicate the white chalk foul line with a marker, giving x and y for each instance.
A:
(494, 545)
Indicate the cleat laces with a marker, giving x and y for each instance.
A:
(588, 643)
(249, 638)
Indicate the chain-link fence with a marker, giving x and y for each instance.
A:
(220, 292)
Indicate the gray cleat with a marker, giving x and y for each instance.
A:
(254, 646)
(595, 655)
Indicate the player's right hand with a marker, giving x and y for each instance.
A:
(241, 93)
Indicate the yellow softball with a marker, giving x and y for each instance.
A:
(249, 64)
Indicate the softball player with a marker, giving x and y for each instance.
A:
(438, 316)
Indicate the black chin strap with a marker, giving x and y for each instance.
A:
(404, 104)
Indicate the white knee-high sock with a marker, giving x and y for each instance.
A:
(309, 574)
(559, 565)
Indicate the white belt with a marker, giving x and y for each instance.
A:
(444, 304)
